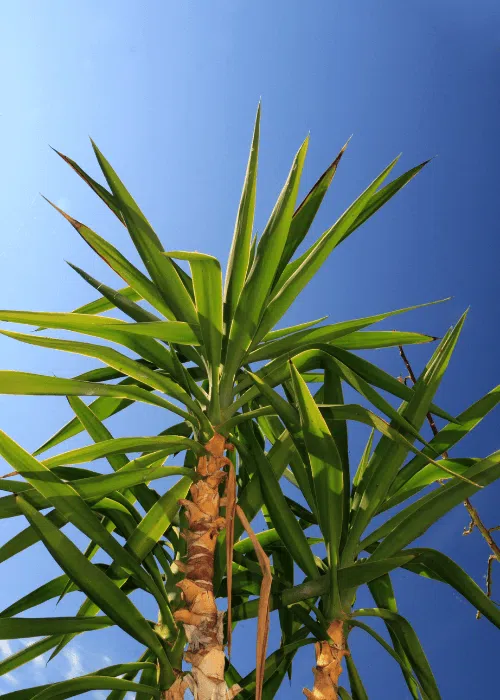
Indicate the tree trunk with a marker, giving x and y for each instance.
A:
(328, 667)
(203, 623)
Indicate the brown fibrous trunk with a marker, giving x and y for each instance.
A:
(329, 655)
(203, 623)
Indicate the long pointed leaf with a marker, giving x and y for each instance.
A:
(328, 478)
(95, 583)
(149, 247)
(242, 238)
(317, 255)
(128, 272)
(388, 457)
(258, 284)
(117, 360)
(414, 520)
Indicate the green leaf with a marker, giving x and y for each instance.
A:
(26, 384)
(99, 432)
(449, 436)
(349, 578)
(375, 202)
(98, 306)
(93, 582)
(124, 669)
(250, 498)
(207, 285)
(442, 568)
(298, 459)
(415, 519)
(281, 332)
(149, 678)
(100, 191)
(258, 284)
(332, 393)
(171, 331)
(151, 350)
(239, 256)
(104, 448)
(363, 463)
(96, 487)
(163, 273)
(367, 391)
(284, 567)
(283, 519)
(102, 408)
(383, 594)
(27, 537)
(156, 521)
(27, 654)
(272, 664)
(115, 299)
(276, 373)
(110, 201)
(328, 478)
(358, 691)
(69, 503)
(363, 415)
(306, 212)
(253, 249)
(385, 194)
(426, 476)
(382, 380)
(344, 695)
(19, 627)
(96, 429)
(283, 408)
(331, 333)
(411, 645)
(388, 457)
(40, 595)
(120, 694)
(316, 256)
(117, 360)
(84, 684)
(368, 340)
(403, 662)
(128, 272)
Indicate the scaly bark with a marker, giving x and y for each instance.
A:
(329, 655)
(203, 623)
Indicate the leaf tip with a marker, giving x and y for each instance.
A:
(76, 224)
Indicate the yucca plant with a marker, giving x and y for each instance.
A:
(339, 505)
(209, 353)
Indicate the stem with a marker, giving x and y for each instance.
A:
(203, 623)
(328, 668)
(430, 419)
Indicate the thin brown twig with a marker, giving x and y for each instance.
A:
(409, 369)
(475, 520)
(486, 533)
(491, 559)
(468, 530)
(263, 612)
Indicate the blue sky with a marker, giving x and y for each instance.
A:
(168, 90)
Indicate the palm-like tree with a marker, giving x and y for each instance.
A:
(209, 353)
(339, 504)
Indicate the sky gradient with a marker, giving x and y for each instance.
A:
(168, 90)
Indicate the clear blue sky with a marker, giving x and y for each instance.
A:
(168, 90)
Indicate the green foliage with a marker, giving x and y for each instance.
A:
(211, 353)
